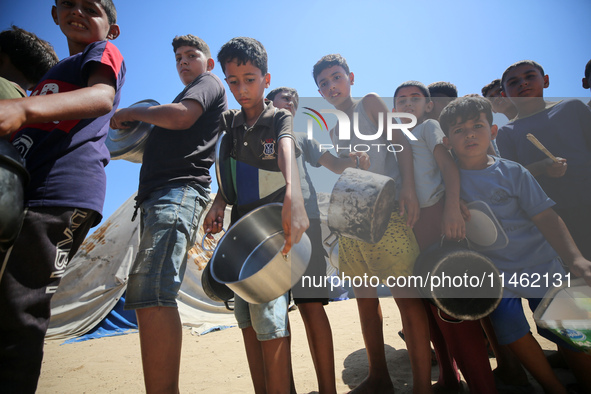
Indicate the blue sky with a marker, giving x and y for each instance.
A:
(466, 42)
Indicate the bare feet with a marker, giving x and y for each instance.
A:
(374, 386)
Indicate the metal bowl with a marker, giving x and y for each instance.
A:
(249, 261)
(128, 144)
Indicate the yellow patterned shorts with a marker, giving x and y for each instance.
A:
(393, 255)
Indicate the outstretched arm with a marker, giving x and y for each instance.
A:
(454, 226)
(176, 116)
(89, 102)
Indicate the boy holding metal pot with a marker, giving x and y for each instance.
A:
(264, 149)
(539, 242)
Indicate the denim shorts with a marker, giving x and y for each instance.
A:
(169, 223)
(269, 320)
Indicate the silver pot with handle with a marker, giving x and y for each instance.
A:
(128, 144)
(249, 261)
(360, 206)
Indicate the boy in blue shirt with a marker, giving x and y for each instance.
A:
(264, 149)
(60, 130)
(538, 239)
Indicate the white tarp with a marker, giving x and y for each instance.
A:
(97, 277)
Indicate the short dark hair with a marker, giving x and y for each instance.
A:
(465, 108)
(419, 85)
(447, 89)
(28, 53)
(109, 8)
(521, 63)
(327, 62)
(488, 87)
(292, 91)
(191, 41)
(588, 70)
(243, 50)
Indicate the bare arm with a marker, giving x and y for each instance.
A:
(89, 102)
(293, 215)
(177, 116)
(556, 233)
(454, 226)
(214, 219)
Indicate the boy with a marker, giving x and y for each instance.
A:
(24, 59)
(172, 194)
(500, 104)
(438, 190)
(565, 129)
(264, 326)
(310, 300)
(65, 124)
(537, 236)
(356, 258)
(587, 79)
(442, 93)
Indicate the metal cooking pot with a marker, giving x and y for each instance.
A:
(249, 261)
(13, 179)
(213, 289)
(225, 169)
(473, 289)
(128, 144)
(360, 206)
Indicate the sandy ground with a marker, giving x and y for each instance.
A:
(216, 362)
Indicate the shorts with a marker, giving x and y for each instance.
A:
(169, 221)
(313, 285)
(269, 320)
(428, 228)
(393, 255)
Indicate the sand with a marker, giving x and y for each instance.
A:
(216, 362)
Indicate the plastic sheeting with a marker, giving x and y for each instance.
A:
(96, 278)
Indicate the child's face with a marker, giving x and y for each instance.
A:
(83, 22)
(411, 100)
(284, 100)
(525, 81)
(499, 103)
(247, 83)
(190, 63)
(335, 85)
(471, 138)
(439, 102)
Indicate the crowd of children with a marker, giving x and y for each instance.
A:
(450, 159)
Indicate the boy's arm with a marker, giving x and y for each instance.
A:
(176, 116)
(89, 102)
(340, 164)
(293, 215)
(214, 219)
(374, 106)
(556, 233)
(454, 226)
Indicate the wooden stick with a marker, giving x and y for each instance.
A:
(541, 147)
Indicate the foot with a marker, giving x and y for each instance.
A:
(374, 386)
(440, 389)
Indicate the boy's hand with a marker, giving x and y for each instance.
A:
(465, 211)
(122, 119)
(214, 219)
(454, 227)
(12, 116)
(553, 169)
(581, 268)
(363, 158)
(409, 204)
(295, 222)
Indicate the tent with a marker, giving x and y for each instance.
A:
(96, 278)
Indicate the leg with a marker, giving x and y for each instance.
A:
(449, 376)
(160, 342)
(254, 355)
(370, 316)
(321, 346)
(276, 360)
(580, 365)
(529, 352)
(416, 328)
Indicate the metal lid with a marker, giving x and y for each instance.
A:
(223, 169)
(128, 144)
